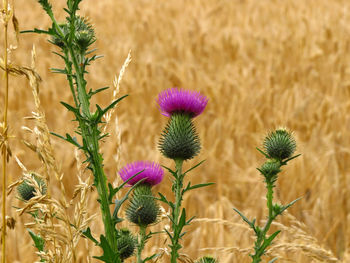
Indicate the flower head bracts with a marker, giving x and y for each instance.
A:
(176, 100)
(152, 173)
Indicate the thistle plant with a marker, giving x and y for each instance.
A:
(279, 147)
(142, 209)
(179, 142)
(73, 38)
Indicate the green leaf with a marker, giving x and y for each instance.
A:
(169, 170)
(59, 71)
(70, 107)
(87, 233)
(151, 257)
(289, 159)
(263, 153)
(39, 242)
(68, 138)
(189, 187)
(113, 191)
(118, 203)
(109, 256)
(273, 260)
(91, 92)
(269, 240)
(182, 220)
(244, 218)
(289, 205)
(198, 164)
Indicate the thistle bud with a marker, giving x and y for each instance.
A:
(270, 168)
(280, 144)
(179, 139)
(126, 244)
(207, 259)
(26, 189)
(84, 34)
(143, 210)
(58, 41)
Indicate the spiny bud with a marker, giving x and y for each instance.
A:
(26, 190)
(270, 168)
(126, 244)
(143, 210)
(179, 139)
(58, 41)
(280, 144)
(84, 34)
(207, 259)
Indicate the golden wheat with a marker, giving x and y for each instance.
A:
(263, 64)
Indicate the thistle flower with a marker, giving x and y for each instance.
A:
(280, 144)
(152, 172)
(126, 244)
(175, 100)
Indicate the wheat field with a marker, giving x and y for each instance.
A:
(263, 64)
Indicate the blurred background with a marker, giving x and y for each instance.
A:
(262, 64)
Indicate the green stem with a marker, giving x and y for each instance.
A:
(141, 245)
(176, 214)
(69, 76)
(82, 95)
(261, 241)
(91, 135)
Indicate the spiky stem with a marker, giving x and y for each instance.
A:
(178, 198)
(141, 245)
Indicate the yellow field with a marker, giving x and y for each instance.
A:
(262, 63)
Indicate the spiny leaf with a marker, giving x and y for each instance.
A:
(198, 164)
(70, 107)
(39, 242)
(189, 187)
(87, 233)
(109, 256)
(243, 217)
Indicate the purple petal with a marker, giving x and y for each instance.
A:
(152, 172)
(178, 100)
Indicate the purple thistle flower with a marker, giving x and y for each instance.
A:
(178, 100)
(152, 172)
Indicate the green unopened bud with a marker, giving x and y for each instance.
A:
(280, 144)
(143, 210)
(179, 139)
(26, 189)
(58, 41)
(207, 259)
(84, 34)
(271, 168)
(126, 244)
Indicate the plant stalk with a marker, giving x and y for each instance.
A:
(178, 199)
(259, 252)
(141, 244)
